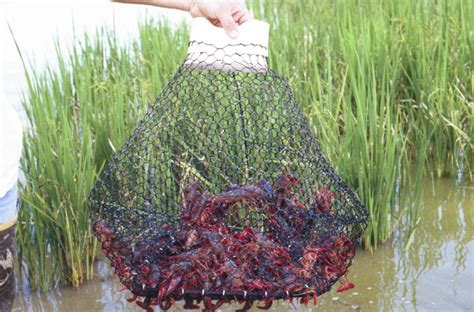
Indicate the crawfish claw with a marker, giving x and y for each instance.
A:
(267, 304)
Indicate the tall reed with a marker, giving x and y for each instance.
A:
(387, 87)
(80, 112)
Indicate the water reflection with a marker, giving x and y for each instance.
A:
(435, 272)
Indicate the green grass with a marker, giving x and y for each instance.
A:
(82, 110)
(387, 86)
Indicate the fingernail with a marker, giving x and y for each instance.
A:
(233, 34)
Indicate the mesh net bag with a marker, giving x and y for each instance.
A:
(222, 192)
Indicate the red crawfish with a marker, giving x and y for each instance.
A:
(345, 284)
(323, 201)
(191, 238)
(209, 306)
(283, 186)
(168, 286)
(190, 305)
(247, 306)
(266, 303)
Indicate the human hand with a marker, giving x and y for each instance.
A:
(222, 13)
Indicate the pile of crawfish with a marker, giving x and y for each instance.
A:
(277, 250)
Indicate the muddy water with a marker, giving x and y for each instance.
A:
(436, 272)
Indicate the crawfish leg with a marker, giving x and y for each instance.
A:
(144, 306)
(212, 307)
(189, 304)
(267, 304)
(209, 306)
(246, 307)
(166, 304)
(305, 300)
(133, 298)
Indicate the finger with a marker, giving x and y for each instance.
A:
(242, 17)
(245, 18)
(216, 23)
(229, 25)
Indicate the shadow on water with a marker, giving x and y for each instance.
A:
(436, 271)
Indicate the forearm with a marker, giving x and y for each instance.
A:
(183, 5)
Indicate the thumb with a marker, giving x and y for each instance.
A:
(229, 25)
